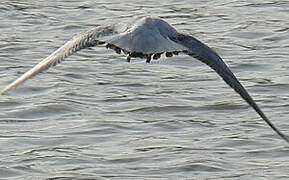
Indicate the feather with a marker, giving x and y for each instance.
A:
(206, 55)
(78, 42)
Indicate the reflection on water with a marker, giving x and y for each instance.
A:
(97, 117)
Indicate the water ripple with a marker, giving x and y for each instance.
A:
(97, 117)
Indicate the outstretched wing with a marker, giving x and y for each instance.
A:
(81, 41)
(206, 55)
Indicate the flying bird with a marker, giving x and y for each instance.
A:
(147, 38)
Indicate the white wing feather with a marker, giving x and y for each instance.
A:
(80, 41)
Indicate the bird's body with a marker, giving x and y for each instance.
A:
(147, 38)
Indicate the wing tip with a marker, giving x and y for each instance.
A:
(6, 89)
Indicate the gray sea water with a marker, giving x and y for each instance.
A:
(95, 116)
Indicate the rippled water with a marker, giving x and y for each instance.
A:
(97, 117)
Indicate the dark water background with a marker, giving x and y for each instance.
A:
(97, 117)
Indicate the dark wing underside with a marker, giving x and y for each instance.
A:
(206, 55)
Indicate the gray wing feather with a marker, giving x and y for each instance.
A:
(206, 55)
(78, 42)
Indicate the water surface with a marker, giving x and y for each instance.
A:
(97, 117)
